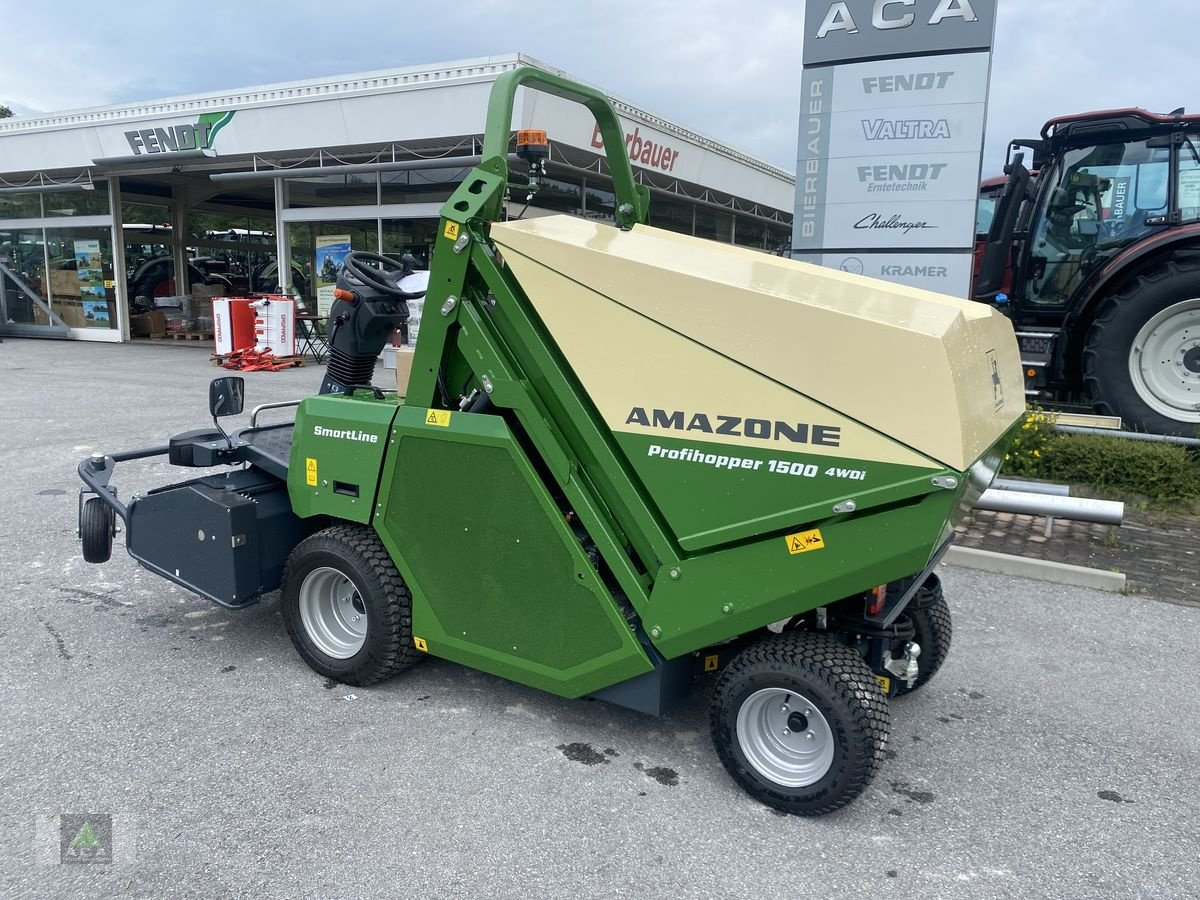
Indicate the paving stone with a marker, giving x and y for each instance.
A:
(1157, 554)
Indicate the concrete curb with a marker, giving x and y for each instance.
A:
(1039, 569)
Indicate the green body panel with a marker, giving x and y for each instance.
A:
(713, 494)
(500, 582)
(494, 333)
(763, 582)
(345, 439)
(633, 200)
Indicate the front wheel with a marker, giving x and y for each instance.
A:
(800, 723)
(1142, 357)
(346, 608)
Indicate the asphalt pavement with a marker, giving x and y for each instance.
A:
(1057, 753)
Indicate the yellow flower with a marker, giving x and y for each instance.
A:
(1037, 452)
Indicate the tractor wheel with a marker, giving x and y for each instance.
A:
(1142, 357)
(97, 523)
(930, 615)
(347, 610)
(800, 723)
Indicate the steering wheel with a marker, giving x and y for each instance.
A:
(356, 265)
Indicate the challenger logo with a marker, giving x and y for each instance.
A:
(351, 434)
(737, 426)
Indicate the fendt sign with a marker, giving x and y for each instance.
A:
(175, 138)
(893, 103)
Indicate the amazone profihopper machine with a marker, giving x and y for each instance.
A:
(624, 456)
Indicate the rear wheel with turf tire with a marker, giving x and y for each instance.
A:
(347, 610)
(1142, 357)
(930, 616)
(800, 722)
(97, 524)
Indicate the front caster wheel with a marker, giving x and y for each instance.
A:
(800, 723)
(97, 524)
(347, 610)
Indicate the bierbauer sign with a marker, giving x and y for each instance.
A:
(892, 112)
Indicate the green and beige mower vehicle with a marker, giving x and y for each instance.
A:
(624, 456)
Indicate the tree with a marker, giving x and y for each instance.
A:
(5, 112)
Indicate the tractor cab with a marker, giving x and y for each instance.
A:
(1102, 200)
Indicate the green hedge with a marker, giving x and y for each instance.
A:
(1162, 472)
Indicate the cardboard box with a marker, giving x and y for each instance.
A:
(203, 293)
(64, 283)
(404, 361)
(71, 312)
(148, 324)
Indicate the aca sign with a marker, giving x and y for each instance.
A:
(838, 18)
(893, 97)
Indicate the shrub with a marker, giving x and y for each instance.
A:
(1162, 472)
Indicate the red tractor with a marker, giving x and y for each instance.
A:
(1097, 262)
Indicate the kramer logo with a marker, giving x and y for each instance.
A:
(737, 426)
(175, 138)
(914, 271)
(904, 129)
(346, 435)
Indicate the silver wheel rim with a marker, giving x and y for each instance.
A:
(333, 613)
(1164, 362)
(785, 737)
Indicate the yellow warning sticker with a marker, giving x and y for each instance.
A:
(803, 541)
(451, 231)
(710, 663)
(109, 284)
(438, 417)
(310, 471)
(885, 683)
(420, 644)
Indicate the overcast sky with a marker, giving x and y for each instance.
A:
(729, 70)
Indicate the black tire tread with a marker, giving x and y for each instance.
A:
(935, 629)
(395, 651)
(96, 520)
(1177, 266)
(845, 674)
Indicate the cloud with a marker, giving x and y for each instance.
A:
(729, 71)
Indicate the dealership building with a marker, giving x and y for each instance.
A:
(100, 208)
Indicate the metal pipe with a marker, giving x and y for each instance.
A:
(1031, 487)
(1081, 509)
(445, 162)
(49, 188)
(283, 404)
(1131, 435)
